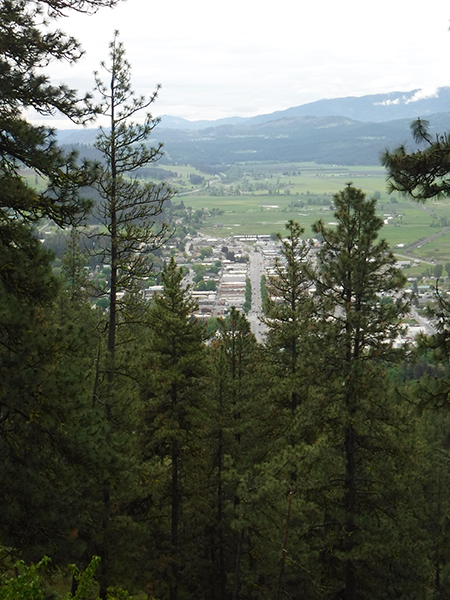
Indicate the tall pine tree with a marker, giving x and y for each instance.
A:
(358, 333)
(129, 209)
(129, 212)
(288, 313)
(174, 437)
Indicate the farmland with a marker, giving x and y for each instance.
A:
(261, 198)
(252, 198)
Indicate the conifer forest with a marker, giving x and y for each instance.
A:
(144, 450)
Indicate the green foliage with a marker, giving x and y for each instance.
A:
(206, 286)
(196, 179)
(240, 429)
(29, 43)
(288, 312)
(222, 470)
(27, 585)
(204, 252)
(175, 428)
(248, 296)
(29, 582)
(128, 209)
(43, 401)
(429, 386)
(50, 432)
(437, 271)
(353, 258)
(73, 265)
(358, 335)
(423, 174)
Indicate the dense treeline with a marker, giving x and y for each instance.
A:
(186, 467)
(219, 468)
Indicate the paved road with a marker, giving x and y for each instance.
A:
(425, 323)
(411, 258)
(255, 273)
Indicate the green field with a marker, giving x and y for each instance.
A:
(419, 229)
(292, 191)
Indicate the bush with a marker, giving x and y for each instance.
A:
(29, 582)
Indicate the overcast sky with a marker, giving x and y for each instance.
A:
(249, 57)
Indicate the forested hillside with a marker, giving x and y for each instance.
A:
(214, 467)
(182, 460)
(322, 139)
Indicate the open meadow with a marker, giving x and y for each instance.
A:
(303, 192)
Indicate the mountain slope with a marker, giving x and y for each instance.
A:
(335, 140)
(354, 135)
(375, 108)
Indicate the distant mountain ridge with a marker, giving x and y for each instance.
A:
(375, 108)
(346, 131)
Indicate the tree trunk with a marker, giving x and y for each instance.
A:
(103, 571)
(222, 574)
(350, 509)
(237, 570)
(175, 517)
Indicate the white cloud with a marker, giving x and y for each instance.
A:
(423, 94)
(419, 95)
(389, 102)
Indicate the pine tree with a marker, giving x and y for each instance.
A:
(129, 209)
(341, 482)
(240, 421)
(73, 266)
(288, 312)
(358, 334)
(47, 432)
(354, 270)
(176, 425)
(28, 44)
(52, 417)
(422, 174)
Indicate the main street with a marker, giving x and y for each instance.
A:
(255, 274)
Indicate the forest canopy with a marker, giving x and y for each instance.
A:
(182, 461)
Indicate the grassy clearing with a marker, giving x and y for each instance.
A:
(325, 181)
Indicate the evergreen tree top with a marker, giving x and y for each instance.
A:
(28, 44)
(422, 174)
